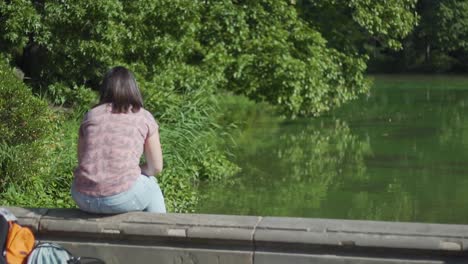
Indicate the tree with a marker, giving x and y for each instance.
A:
(439, 42)
(452, 21)
(262, 49)
(347, 26)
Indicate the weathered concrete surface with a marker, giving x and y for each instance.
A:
(190, 238)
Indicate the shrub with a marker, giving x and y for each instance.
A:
(192, 148)
(26, 120)
(45, 179)
(80, 98)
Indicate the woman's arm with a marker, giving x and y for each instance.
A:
(79, 144)
(153, 155)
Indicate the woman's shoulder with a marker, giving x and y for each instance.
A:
(149, 120)
(95, 112)
(99, 109)
(145, 113)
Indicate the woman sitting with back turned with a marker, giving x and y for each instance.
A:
(112, 137)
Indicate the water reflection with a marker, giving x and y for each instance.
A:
(400, 154)
(293, 170)
(418, 135)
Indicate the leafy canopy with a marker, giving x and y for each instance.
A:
(304, 56)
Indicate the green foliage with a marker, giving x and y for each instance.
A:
(80, 98)
(18, 19)
(25, 118)
(26, 122)
(373, 17)
(40, 174)
(452, 19)
(437, 44)
(348, 25)
(80, 38)
(190, 141)
(261, 49)
(184, 53)
(273, 56)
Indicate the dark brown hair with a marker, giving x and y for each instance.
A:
(120, 89)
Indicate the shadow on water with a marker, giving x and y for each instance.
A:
(399, 154)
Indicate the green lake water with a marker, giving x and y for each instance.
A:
(398, 154)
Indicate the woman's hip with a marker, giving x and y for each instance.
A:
(136, 198)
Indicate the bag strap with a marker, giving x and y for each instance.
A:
(4, 227)
(90, 260)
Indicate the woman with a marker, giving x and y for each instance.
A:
(112, 137)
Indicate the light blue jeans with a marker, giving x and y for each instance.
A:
(144, 195)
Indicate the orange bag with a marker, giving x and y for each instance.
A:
(20, 242)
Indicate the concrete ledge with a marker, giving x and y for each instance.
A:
(191, 238)
(364, 234)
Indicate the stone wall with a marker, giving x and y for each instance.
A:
(192, 238)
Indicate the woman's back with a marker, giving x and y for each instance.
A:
(112, 138)
(110, 146)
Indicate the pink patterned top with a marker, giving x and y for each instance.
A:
(109, 150)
